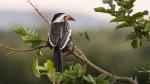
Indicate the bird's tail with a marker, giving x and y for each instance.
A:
(57, 59)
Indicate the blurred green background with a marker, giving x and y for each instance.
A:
(107, 49)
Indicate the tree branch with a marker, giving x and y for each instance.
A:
(77, 52)
(37, 10)
(22, 50)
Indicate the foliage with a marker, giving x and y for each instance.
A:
(29, 36)
(122, 10)
(76, 74)
(47, 69)
(85, 35)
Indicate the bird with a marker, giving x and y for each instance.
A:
(59, 37)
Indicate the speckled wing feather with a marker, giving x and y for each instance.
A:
(54, 34)
(59, 34)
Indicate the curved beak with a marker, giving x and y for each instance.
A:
(70, 18)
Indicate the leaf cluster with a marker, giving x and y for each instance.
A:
(46, 70)
(29, 36)
(122, 10)
(84, 34)
(76, 74)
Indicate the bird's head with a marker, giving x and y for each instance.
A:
(62, 17)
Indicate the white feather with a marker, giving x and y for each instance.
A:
(68, 38)
(50, 39)
(60, 18)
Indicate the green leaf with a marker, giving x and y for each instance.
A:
(139, 14)
(41, 68)
(74, 72)
(130, 11)
(121, 19)
(122, 25)
(136, 43)
(78, 69)
(147, 27)
(58, 77)
(131, 36)
(70, 74)
(80, 34)
(50, 66)
(90, 79)
(107, 1)
(101, 77)
(28, 36)
(35, 44)
(102, 9)
(50, 69)
(127, 4)
(86, 36)
(113, 7)
(20, 30)
(35, 65)
(31, 39)
(148, 71)
(106, 82)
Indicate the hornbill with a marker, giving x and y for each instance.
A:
(59, 37)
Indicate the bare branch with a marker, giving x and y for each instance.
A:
(22, 50)
(77, 52)
(37, 10)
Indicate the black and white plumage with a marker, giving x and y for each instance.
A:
(59, 35)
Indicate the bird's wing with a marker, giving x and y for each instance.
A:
(66, 35)
(54, 34)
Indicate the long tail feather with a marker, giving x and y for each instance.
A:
(57, 58)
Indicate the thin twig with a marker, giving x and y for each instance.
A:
(37, 10)
(22, 50)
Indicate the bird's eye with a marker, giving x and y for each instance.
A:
(65, 17)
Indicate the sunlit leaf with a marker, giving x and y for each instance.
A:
(31, 39)
(35, 65)
(102, 9)
(139, 14)
(119, 19)
(122, 25)
(28, 36)
(107, 1)
(101, 77)
(86, 36)
(50, 69)
(90, 79)
(136, 43)
(58, 77)
(147, 27)
(21, 31)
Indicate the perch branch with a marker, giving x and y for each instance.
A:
(77, 52)
(22, 50)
